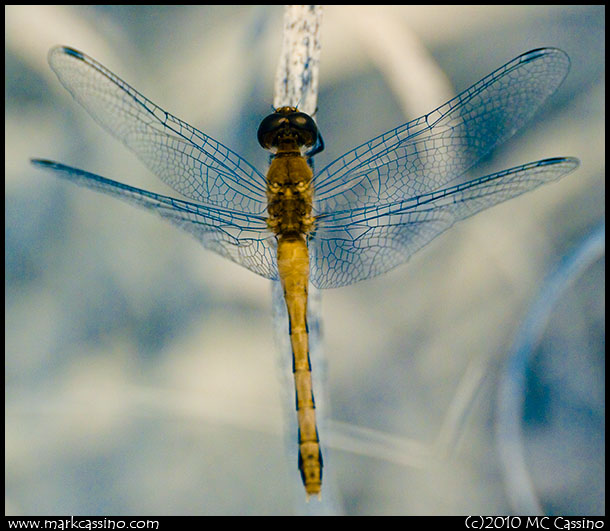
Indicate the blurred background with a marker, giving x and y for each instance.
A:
(141, 373)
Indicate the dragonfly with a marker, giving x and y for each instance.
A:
(362, 215)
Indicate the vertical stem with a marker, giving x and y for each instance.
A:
(296, 79)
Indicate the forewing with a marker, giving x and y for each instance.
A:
(189, 161)
(427, 153)
(353, 245)
(242, 238)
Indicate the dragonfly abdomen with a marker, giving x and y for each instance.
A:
(293, 266)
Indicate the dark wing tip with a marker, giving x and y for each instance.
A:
(72, 51)
(573, 162)
(539, 52)
(61, 49)
(46, 164)
(42, 162)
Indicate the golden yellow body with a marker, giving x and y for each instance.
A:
(289, 195)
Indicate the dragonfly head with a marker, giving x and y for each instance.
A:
(287, 125)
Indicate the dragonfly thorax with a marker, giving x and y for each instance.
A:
(287, 129)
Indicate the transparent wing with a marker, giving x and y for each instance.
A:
(357, 244)
(427, 153)
(189, 161)
(240, 237)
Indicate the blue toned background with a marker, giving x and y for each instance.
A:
(141, 374)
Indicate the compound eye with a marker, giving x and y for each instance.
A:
(287, 122)
(268, 128)
(306, 127)
(299, 119)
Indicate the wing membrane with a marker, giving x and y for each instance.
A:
(189, 161)
(375, 206)
(353, 245)
(429, 152)
(240, 237)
